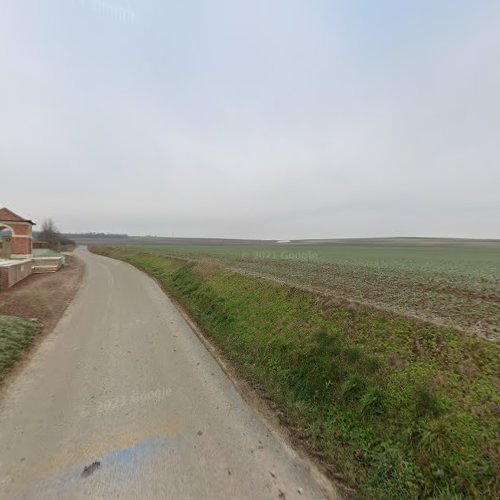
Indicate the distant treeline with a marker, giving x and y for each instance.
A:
(88, 235)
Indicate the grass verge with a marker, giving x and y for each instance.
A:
(16, 334)
(401, 408)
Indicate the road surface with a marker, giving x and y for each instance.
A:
(122, 400)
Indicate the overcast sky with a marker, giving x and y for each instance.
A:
(257, 118)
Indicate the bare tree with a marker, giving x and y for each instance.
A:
(50, 234)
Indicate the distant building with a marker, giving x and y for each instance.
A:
(16, 253)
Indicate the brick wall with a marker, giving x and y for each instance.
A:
(20, 246)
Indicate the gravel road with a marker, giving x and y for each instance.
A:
(122, 400)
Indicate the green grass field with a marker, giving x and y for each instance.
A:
(45, 252)
(399, 407)
(450, 282)
(16, 334)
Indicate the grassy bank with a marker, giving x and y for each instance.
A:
(16, 334)
(401, 408)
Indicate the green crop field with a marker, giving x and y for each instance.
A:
(449, 282)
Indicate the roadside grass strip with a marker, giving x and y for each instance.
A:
(398, 407)
(16, 334)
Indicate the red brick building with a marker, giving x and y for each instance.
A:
(19, 244)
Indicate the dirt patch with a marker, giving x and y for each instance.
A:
(207, 268)
(44, 297)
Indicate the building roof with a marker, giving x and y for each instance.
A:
(7, 215)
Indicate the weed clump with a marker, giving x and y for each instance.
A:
(373, 402)
(351, 388)
(352, 354)
(426, 402)
(371, 364)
